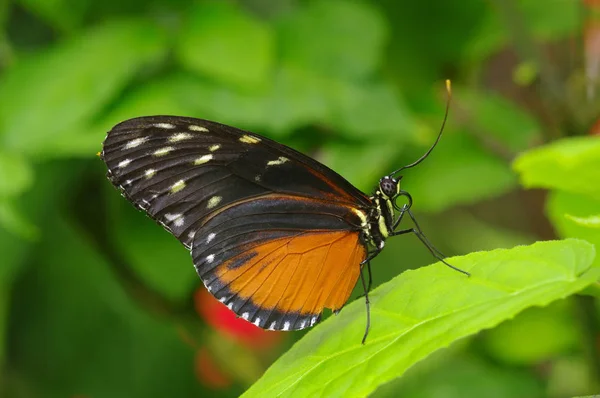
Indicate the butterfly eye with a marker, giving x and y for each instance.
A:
(388, 186)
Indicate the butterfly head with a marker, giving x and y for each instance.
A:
(389, 186)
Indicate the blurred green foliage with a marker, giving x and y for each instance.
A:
(96, 300)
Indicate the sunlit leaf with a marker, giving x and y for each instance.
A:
(422, 311)
(571, 165)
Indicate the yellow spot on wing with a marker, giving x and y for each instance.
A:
(135, 142)
(163, 151)
(164, 125)
(248, 139)
(201, 129)
(203, 159)
(178, 186)
(214, 201)
(280, 160)
(180, 137)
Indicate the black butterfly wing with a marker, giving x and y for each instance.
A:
(175, 166)
(227, 194)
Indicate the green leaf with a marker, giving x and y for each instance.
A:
(560, 204)
(16, 175)
(489, 115)
(422, 311)
(336, 38)
(458, 171)
(46, 97)
(225, 43)
(592, 221)
(571, 165)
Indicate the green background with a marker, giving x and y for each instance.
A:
(97, 301)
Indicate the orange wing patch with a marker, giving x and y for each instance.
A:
(301, 274)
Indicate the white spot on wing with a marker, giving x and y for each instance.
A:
(209, 288)
(280, 160)
(203, 159)
(223, 299)
(163, 151)
(286, 325)
(210, 258)
(167, 126)
(213, 148)
(303, 324)
(230, 306)
(272, 326)
(246, 315)
(149, 173)
(178, 186)
(210, 237)
(124, 163)
(135, 142)
(257, 322)
(214, 201)
(248, 139)
(257, 178)
(201, 129)
(180, 137)
(313, 320)
(177, 219)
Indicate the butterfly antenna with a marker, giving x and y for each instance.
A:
(448, 98)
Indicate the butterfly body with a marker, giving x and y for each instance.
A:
(274, 235)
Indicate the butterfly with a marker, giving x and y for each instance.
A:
(274, 235)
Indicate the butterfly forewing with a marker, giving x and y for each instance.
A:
(245, 205)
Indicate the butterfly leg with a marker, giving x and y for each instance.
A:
(435, 252)
(367, 303)
(368, 263)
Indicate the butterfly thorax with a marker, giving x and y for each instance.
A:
(381, 217)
